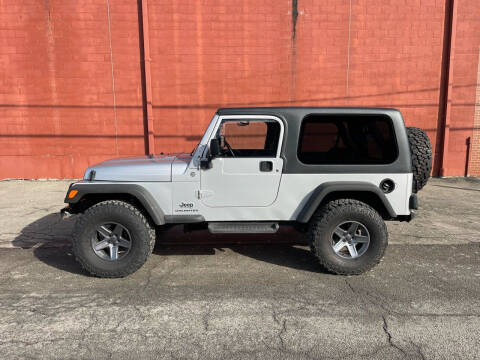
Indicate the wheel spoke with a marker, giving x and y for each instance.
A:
(359, 239)
(339, 232)
(101, 245)
(117, 230)
(124, 243)
(352, 250)
(353, 228)
(114, 252)
(352, 235)
(113, 237)
(339, 246)
(102, 230)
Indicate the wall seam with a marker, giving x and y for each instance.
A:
(113, 78)
(348, 51)
(147, 77)
(446, 102)
(293, 91)
(474, 161)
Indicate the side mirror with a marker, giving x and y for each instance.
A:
(204, 163)
(214, 148)
(214, 151)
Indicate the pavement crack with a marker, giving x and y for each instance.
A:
(390, 338)
(282, 332)
(283, 329)
(206, 319)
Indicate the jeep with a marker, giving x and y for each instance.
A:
(335, 174)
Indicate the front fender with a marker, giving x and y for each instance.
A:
(137, 191)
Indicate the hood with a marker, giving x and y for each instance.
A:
(140, 168)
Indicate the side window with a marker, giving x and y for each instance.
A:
(328, 139)
(249, 138)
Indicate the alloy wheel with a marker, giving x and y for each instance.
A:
(111, 241)
(350, 239)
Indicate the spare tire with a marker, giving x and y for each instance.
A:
(421, 154)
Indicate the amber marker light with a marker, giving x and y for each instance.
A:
(72, 194)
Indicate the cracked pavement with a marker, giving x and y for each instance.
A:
(203, 296)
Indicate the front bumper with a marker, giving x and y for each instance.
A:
(66, 212)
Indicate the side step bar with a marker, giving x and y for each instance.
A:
(243, 227)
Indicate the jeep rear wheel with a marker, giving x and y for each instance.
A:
(421, 154)
(348, 237)
(113, 239)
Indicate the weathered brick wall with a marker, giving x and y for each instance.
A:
(465, 88)
(59, 112)
(209, 54)
(474, 153)
(71, 85)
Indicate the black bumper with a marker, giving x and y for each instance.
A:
(67, 210)
(412, 205)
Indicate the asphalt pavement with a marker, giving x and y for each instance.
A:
(202, 296)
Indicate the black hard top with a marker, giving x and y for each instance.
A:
(298, 113)
(292, 118)
(300, 109)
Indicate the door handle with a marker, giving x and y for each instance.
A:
(266, 166)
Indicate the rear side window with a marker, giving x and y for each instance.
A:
(347, 139)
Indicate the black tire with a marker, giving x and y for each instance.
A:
(142, 241)
(421, 154)
(326, 220)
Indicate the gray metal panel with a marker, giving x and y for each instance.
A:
(133, 169)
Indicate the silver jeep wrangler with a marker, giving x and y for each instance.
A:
(335, 174)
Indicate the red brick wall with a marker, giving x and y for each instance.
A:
(57, 108)
(215, 53)
(474, 168)
(62, 107)
(465, 84)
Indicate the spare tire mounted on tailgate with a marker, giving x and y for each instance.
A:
(421, 153)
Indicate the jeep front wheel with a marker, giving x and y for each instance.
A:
(113, 239)
(347, 236)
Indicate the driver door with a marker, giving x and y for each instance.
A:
(248, 170)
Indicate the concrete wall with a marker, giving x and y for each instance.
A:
(72, 87)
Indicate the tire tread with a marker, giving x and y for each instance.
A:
(106, 206)
(318, 226)
(421, 154)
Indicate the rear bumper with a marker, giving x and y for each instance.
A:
(407, 218)
(412, 205)
(413, 202)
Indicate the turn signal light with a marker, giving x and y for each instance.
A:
(72, 194)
